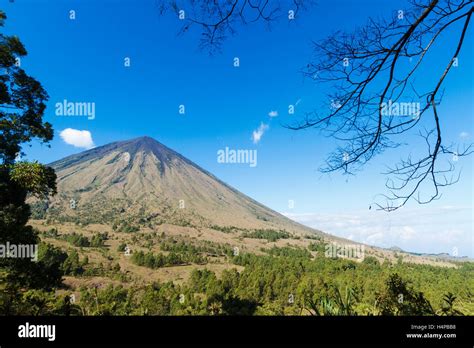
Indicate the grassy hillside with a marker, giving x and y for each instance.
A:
(173, 272)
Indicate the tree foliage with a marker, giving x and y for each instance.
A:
(22, 106)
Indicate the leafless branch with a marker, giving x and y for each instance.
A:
(217, 20)
(374, 101)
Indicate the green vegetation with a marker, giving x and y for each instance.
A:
(283, 281)
(39, 209)
(122, 247)
(289, 252)
(270, 235)
(313, 237)
(51, 233)
(72, 265)
(97, 241)
(226, 229)
(293, 285)
(318, 247)
(23, 102)
(151, 260)
(125, 226)
(78, 240)
(189, 250)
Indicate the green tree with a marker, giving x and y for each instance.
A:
(447, 307)
(398, 298)
(22, 106)
(72, 265)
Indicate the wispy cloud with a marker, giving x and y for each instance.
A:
(77, 138)
(433, 230)
(258, 133)
(464, 135)
(273, 113)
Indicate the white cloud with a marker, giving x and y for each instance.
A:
(434, 230)
(464, 135)
(273, 113)
(77, 138)
(407, 233)
(258, 133)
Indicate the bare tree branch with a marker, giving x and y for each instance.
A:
(370, 71)
(217, 20)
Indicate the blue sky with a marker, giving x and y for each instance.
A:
(83, 60)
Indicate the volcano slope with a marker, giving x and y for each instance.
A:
(138, 196)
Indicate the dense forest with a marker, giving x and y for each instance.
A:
(280, 281)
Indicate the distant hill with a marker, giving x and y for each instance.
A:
(442, 256)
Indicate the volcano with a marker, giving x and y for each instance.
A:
(143, 181)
